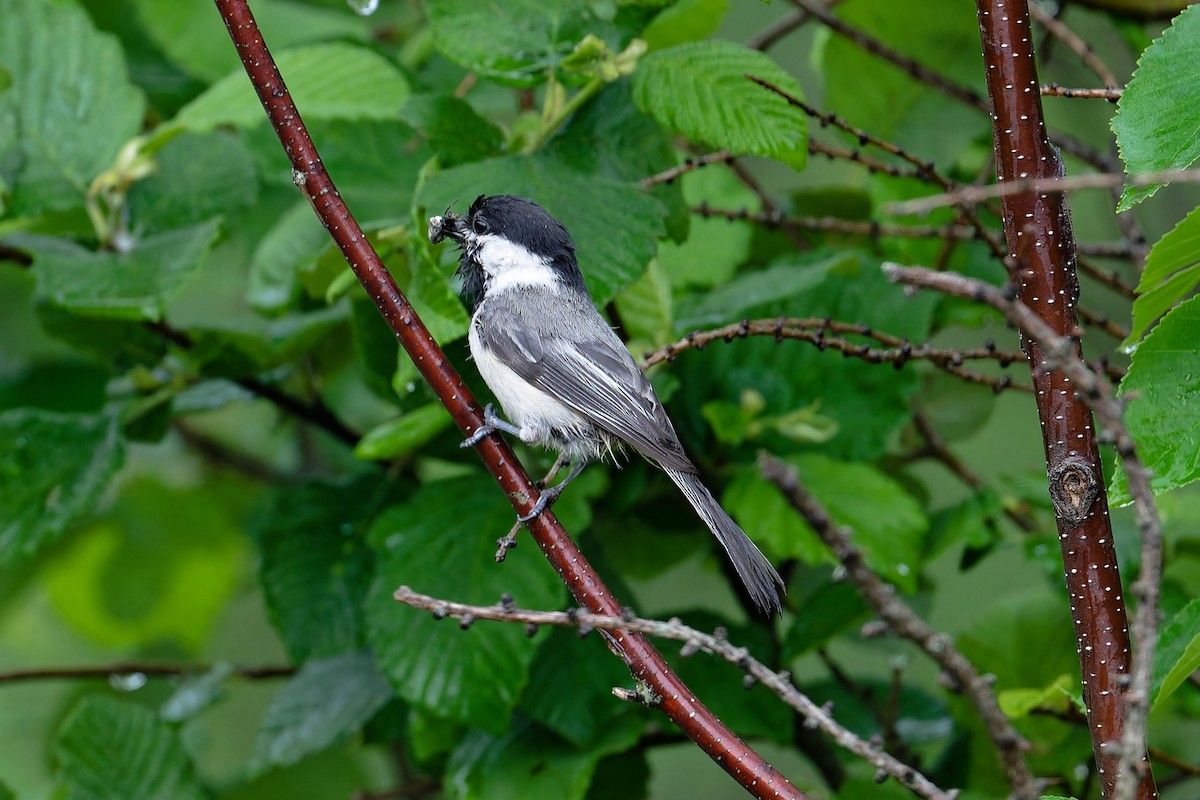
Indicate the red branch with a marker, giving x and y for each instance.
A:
(1041, 247)
(644, 662)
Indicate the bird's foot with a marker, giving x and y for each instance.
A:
(544, 501)
(492, 422)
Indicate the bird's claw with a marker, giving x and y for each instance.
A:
(544, 501)
(491, 424)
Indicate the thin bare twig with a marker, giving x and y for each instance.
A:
(1058, 29)
(906, 623)
(876, 47)
(969, 195)
(1054, 90)
(669, 175)
(815, 331)
(694, 641)
(931, 78)
(766, 38)
(898, 351)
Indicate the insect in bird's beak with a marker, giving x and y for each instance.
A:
(449, 225)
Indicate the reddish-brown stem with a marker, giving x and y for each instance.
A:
(1041, 248)
(644, 662)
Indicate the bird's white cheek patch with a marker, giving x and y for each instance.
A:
(508, 264)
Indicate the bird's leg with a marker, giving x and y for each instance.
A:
(550, 494)
(491, 423)
(509, 540)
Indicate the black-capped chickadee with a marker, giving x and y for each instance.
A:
(559, 371)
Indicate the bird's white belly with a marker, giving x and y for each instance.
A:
(534, 411)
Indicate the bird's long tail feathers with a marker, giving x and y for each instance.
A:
(760, 578)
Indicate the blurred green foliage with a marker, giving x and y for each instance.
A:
(212, 451)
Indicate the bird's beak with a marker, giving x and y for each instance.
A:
(450, 225)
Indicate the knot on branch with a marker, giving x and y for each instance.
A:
(1073, 489)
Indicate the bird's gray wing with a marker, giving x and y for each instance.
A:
(592, 373)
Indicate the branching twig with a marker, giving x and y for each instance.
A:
(931, 78)
(645, 663)
(767, 37)
(874, 46)
(907, 624)
(694, 641)
(969, 195)
(1059, 30)
(899, 351)
(669, 175)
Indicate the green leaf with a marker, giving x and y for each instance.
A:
(999, 637)
(874, 94)
(1018, 703)
(135, 285)
(867, 403)
(377, 165)
(327, 81)
(514, 42)
(293, 243)
(701, 90)
(615, 226)
(249, 345)
(714, 248)
(570, 687)
(112, 749)
(55, 468)
(429, 290)
(441, 541)
(404, 434)
(770, 521)
(1157, 118)
(315, 565)
(454, 130)
(610, 137)
(919, 717)
(1178, 653)
(821, 614)
(199, 176)
(645, 307)
(192, 36)
(889, 530)
(70, 106)
(750, 290)
(100, 584)
(1163, 384)
(327, 701)
(527, 762)
(1171, 274)
(196, 693)
(685, 21)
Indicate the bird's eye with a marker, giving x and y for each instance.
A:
(480, 226)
